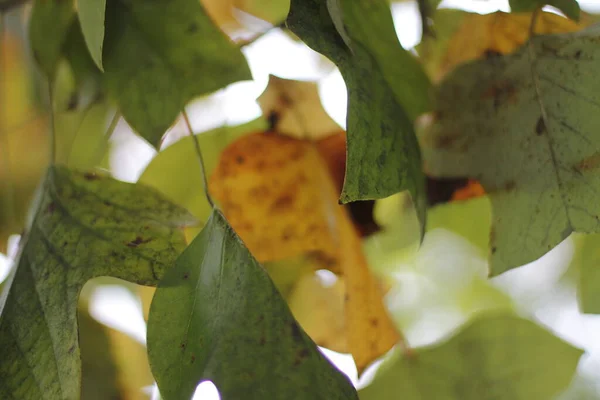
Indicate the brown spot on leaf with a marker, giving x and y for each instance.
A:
(273, 118)
(282, 203)
(193, 359)
(540, 126)
(296, 334)
(374, 322)
(51, 207)
(192, 28)
(578, 54)
(90, 176)
(262, 341)
(137, 241)
(589, 163)
(510, 185)
(186, 275)
(500, 92)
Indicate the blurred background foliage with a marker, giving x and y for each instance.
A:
(430, 291)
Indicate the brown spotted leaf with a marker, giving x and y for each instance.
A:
(525, 126)
(86, 225)
(217, 316)
(294, 108)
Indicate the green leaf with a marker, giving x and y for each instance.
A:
(86, 225)
(525, 125)
(217, 316)
(386, 88)
(165, 170)
(496, 357)
(587, 261)
(91, 17)
(569, 7)
(48, 26)
(159, 55)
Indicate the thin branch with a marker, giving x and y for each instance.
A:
(200, 158)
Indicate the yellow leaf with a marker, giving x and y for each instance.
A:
(278, 195)
(294, 109)
(320, 311)
(479, 36)
(270, 190)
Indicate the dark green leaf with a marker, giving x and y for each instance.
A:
(217, 316)
(86, 225)
(569, 7)
(525, 126)
(492, 358)
(386, 89)
(158, 55)
(48, 26)
(91, 17)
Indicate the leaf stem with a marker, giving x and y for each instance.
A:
(200, 158)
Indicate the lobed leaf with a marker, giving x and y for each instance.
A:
(524, 125)
(86, 225)
(497, 357)
(386, 89)
(216, 313)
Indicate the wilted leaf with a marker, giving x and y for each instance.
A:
(160, 55)
(294, 108)
(386, 87)
(164, 171)
(215, 298)
(86, 225)
(91, 17)
(48, 26)
(514, 123)
(280, 197)
(493, 357)
(569, 7)
(462, 37)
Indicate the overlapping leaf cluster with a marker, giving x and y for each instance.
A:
(522, 124)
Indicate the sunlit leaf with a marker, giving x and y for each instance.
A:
(383, 156)
(493, 357)
(569, 7)
(216, 298)
(86, 225)
(91, 16)
(160, 55)
(513, 123)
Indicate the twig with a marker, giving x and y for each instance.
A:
(200, 158)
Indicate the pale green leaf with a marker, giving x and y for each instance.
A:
(525, 125)
(569, 7)
(587, 262)
(159, 55)
(386, 89)
(91, 17)
(217, 316)
(494, 357)
(86, 225)
(48, 26)
(165, 170)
